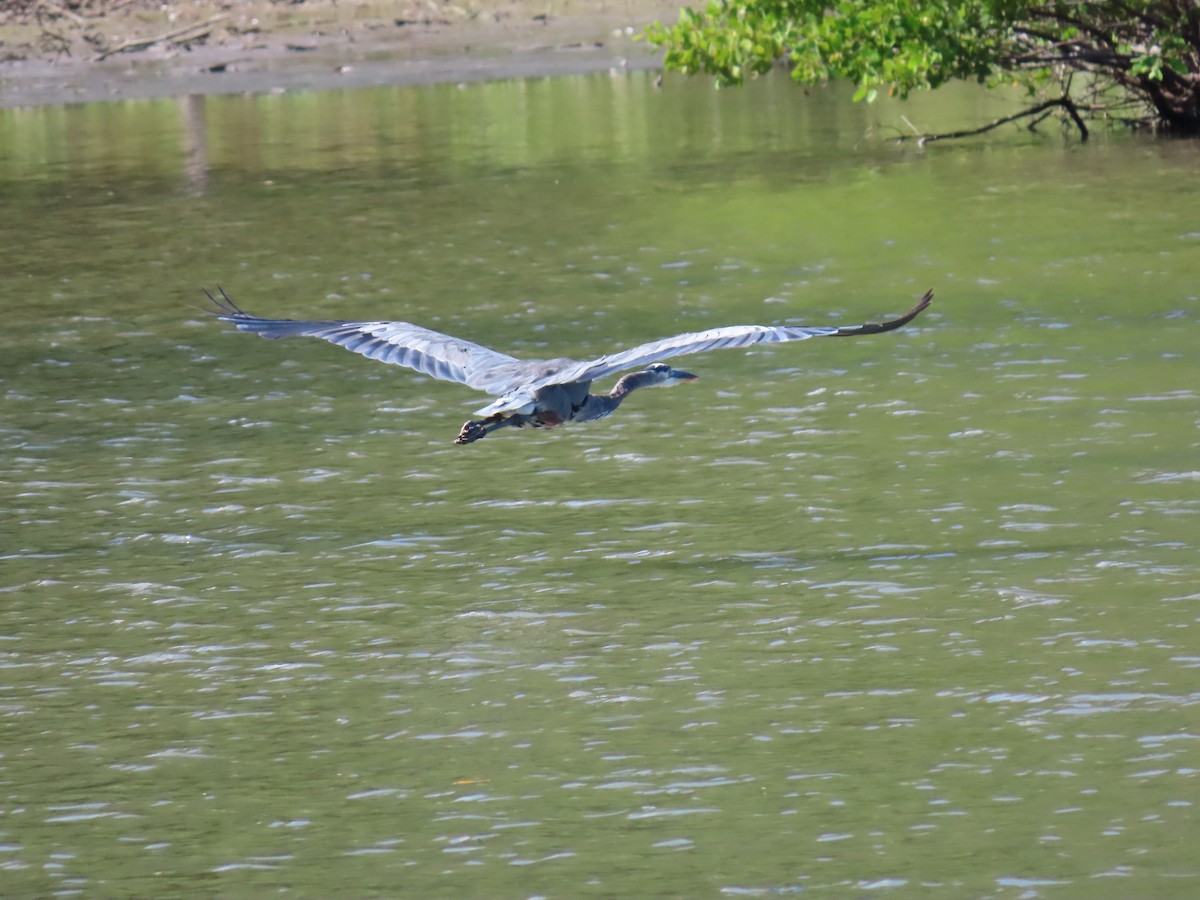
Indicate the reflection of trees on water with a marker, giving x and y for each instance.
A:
(193, 141)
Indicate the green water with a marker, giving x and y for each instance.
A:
(907, 616)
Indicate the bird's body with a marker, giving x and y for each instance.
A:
(538, 394)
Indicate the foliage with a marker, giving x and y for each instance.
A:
(1147, 49)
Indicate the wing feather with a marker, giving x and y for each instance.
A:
(731, 336)
(398, 343)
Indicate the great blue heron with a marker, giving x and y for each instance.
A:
(542, 393)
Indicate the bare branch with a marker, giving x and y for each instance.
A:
(1042, 109)
(179, 35)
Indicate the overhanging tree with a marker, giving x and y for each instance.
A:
(1140, 58)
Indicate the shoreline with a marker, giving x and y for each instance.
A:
(330, 47)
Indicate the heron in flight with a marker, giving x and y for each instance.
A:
(535, 393)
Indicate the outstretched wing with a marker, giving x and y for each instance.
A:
(400, 343)
(717, 339)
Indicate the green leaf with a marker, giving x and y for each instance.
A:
(905, 45)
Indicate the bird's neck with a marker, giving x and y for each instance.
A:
(628, 384)
(600, 405)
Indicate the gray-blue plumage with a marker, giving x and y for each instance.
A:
(541, 393)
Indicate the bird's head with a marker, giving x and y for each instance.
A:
(660, 373)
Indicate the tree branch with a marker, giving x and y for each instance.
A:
(1042, 108)
(179, 35)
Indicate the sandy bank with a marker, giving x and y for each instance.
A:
(141, 49)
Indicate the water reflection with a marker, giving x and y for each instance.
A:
(452, 131)
(194, 143)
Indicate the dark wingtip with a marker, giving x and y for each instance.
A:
(925, 300)
(222, 306)
(890, 324)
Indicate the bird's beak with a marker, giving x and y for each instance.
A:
(683, 376)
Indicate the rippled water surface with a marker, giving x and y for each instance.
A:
(908, 616)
